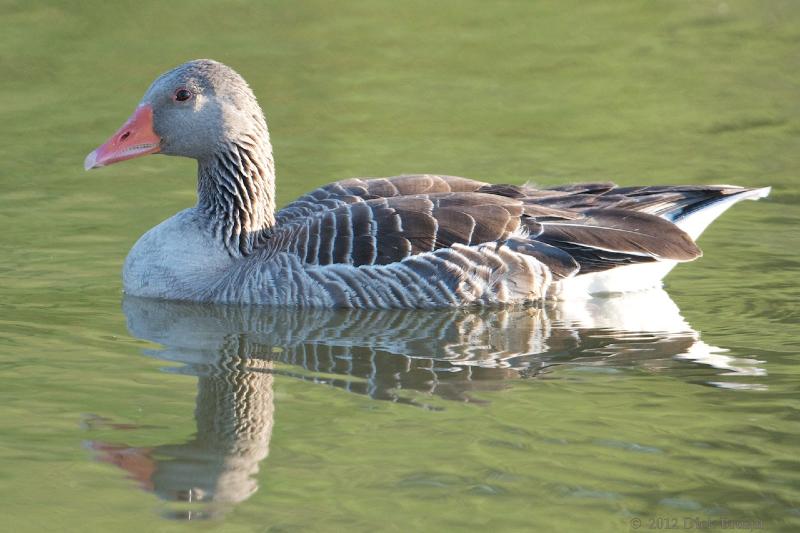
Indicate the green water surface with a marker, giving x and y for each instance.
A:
(136, 416)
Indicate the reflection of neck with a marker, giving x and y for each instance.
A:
(234, 410)
(234, 417)
(236, 191)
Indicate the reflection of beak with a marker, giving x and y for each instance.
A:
(135, 138)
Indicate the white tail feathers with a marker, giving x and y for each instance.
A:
(643, 276)
(695, 223)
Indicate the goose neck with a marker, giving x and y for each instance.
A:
(236, 193)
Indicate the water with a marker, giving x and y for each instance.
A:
(134, 415)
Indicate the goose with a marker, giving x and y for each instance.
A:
(408, 241)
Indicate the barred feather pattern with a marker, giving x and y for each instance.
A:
(236, 192)
(485, 274)
(431, 241)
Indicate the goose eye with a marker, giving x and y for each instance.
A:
(181, 95)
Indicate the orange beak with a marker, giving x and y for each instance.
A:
(135, 138)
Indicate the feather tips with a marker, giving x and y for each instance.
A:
(571, 230)
(623, 231)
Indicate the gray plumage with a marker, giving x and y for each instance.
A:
(406, 241)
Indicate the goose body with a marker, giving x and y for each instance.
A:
(410, 241)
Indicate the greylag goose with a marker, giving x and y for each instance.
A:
(410, 241)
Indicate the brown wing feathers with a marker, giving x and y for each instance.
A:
(385, 230)
(355, 190)
(622, 231)
(586, 227)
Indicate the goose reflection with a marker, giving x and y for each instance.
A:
(401, 356)
(215, 468)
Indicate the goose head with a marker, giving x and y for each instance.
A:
(194, 110)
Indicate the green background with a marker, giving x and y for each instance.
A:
(550, 92)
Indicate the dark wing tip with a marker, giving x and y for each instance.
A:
(622, 235)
